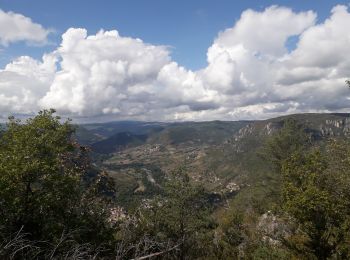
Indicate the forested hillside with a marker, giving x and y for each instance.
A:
(272, 189)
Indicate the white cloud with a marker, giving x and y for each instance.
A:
(104, 73)
(250, 73)
(16, 27)
(23, 82)
(267, 79)
(265, 32)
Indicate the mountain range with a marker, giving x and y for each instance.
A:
(224, 156)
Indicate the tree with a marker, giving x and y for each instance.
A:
(42, 187)
(316, 196)
(181, 217)
(289, 139)
(231, 233)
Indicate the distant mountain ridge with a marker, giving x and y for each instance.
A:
(114, 136)
(321, 125)
(118, 142)
(224, 156)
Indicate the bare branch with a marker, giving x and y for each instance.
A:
(156, 254)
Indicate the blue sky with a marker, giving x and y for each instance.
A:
(174, 60)
(188, 26)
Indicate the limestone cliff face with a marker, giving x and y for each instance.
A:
(335, 127)
(243, 132)
(271, 128)
(346, 128)
(317, 125)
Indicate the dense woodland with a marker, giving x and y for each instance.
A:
(57, 203)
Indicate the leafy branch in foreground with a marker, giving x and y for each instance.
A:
(315, 193)
(43, 187)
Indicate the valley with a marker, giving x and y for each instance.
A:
(225, 157)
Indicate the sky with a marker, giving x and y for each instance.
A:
(161, 60)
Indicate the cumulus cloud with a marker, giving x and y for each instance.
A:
(250, 73)
(266, 78)
(110, 74)
(23, 82)
(17, 27)
(264, 32)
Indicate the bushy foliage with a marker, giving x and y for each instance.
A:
(291, 138)
(54, 204)
(43, 195)
(316, 195)
(178, 219)
(315, 192)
